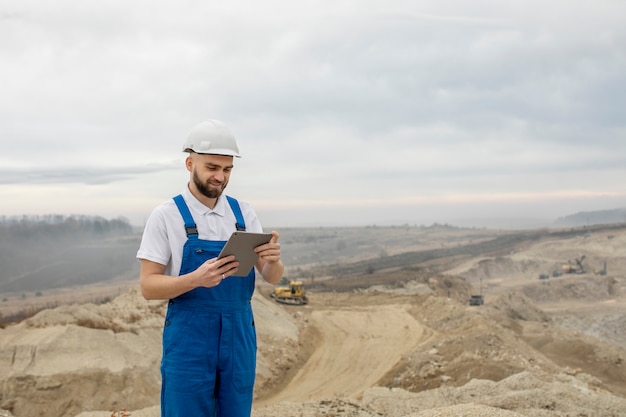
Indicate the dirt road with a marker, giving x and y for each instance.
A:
(357, 346)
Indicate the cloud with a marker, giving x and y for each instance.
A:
(71, 175)
(332, 101)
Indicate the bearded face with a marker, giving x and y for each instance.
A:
(211, 187)
(209, 176)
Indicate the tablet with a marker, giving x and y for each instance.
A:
(242, 244)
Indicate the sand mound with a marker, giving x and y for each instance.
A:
(104, 357)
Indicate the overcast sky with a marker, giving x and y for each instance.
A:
(346, 112)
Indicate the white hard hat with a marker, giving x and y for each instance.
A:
(211, 137)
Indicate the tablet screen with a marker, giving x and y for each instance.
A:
(242, 244)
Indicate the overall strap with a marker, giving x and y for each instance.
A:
(234, 205)
(190, 226)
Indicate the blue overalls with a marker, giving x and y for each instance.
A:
(209, 340)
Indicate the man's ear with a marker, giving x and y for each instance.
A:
(189, 163)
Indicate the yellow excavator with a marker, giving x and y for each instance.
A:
(574, 268)
(293, 294)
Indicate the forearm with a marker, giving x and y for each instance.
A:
(273, 272)
(164, 287)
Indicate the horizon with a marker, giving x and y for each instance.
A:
(507, 223)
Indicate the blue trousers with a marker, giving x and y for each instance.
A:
(209, 361)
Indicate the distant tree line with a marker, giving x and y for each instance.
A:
(56, 225)
(54, 251)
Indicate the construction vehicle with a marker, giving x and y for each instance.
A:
(476, 300)
(293, 294)
(574, 267)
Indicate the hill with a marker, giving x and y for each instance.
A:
(589, 218)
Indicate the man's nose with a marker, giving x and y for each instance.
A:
(220, 176)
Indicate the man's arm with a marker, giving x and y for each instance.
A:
(157, 286)
(272, 272)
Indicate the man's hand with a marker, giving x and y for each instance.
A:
(213, 271)
(269, 252)
(269, 264)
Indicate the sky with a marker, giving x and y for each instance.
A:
(346, 112)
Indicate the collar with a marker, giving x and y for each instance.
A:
(197, 207)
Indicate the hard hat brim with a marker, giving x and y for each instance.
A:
(222, 152)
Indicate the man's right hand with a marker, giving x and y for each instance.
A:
(213, 271)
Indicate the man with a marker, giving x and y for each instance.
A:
(209, 341)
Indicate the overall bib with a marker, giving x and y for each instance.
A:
(209, 340)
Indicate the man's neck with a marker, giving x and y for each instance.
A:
(209, 202)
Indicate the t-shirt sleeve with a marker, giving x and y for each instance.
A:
(155, 245)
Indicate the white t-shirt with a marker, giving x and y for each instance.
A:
(164, 235)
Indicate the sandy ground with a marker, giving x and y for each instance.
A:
(356, 347)
(355, 341)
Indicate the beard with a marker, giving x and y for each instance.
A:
(206, 189)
